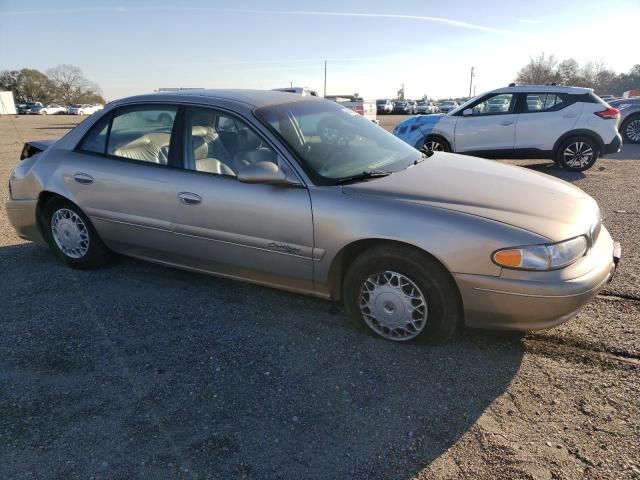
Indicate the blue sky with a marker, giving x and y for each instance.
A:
(372, 47)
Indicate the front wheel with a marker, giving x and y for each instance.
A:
(402, 295)
(435, 144)
(577, 154)
(72, 237)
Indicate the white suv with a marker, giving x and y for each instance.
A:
(569, 125)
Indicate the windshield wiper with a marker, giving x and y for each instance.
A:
(363, 176)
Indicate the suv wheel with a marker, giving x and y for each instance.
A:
(435, 144)
(577, 154)
(631, 130)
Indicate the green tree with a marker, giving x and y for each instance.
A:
(539, 70)
(33, 86)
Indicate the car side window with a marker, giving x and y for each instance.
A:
(96, 139)
(222, 144)
(501, 103)
(543, 102)
(142, 133)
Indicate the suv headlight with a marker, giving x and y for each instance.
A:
(542, 257)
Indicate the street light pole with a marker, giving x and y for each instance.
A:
(325, 79)
(471, 80)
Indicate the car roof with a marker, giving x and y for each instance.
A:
(255, 98)
(543, 89)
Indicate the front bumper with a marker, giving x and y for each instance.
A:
(614, 146)
(546, 300)
(22, 216)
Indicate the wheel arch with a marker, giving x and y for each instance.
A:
(45, 197)
(347, 254)
(581, 132)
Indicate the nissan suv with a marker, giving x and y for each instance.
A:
(569, 125)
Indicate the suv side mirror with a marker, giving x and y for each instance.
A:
(263, 172)
(467, 111)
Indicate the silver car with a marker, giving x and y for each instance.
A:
(302, 194)
(629, 118)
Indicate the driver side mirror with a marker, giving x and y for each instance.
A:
(467, 111)
(264, 172)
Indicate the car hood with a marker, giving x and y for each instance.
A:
(509, 194)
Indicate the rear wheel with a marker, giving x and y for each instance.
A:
(402, 295)
(72, 237)
(434, 143)
(577, 154)
(631, 130)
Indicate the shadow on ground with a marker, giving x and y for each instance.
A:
(139, 371)
(554, 170)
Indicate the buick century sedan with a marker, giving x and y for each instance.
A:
(302, 194)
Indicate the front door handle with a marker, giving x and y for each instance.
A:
(506, 123)
(189, 198)
(83, 178)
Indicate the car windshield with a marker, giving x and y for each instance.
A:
(334, 142)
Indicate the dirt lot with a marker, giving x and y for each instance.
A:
(140, 371)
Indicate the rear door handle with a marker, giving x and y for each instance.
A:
(83, 178)
(189, 198)
(506, 123)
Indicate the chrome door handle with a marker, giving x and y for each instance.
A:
(506, 123)
(189, 198)
(83, 178)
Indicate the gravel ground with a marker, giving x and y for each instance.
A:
(140, 371)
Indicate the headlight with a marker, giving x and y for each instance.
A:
(542, 257)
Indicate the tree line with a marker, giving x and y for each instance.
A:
(64, 84)
(548, 69)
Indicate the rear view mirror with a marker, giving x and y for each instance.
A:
(467, 111)
(263, 172)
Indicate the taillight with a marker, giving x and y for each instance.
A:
(610, 112)
(28, 151)
(359, 109)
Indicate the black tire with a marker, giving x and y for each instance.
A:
(96, 254)
(443, 304)
(431, 140)
(632, 136)
(568, 154)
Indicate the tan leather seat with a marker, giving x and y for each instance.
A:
(152, 147)
(204, 146)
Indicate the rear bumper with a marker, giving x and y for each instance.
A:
(614, 146)
(516, 304)
(22, 216)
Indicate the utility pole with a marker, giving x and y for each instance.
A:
(471, 80)
(325, 79)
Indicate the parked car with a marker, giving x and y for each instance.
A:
(384, 105)
(447, 106)
(302, 194)
(356, 103)
(83, 109)
(629, 118)
(401, 107)
(26, 108)
(49, 109)
(412, 107)
(569, 125)
(424, 106)
(298, 90)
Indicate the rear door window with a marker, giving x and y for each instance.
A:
(142, 133)
(543, 102)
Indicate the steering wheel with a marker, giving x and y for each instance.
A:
(333, 132)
